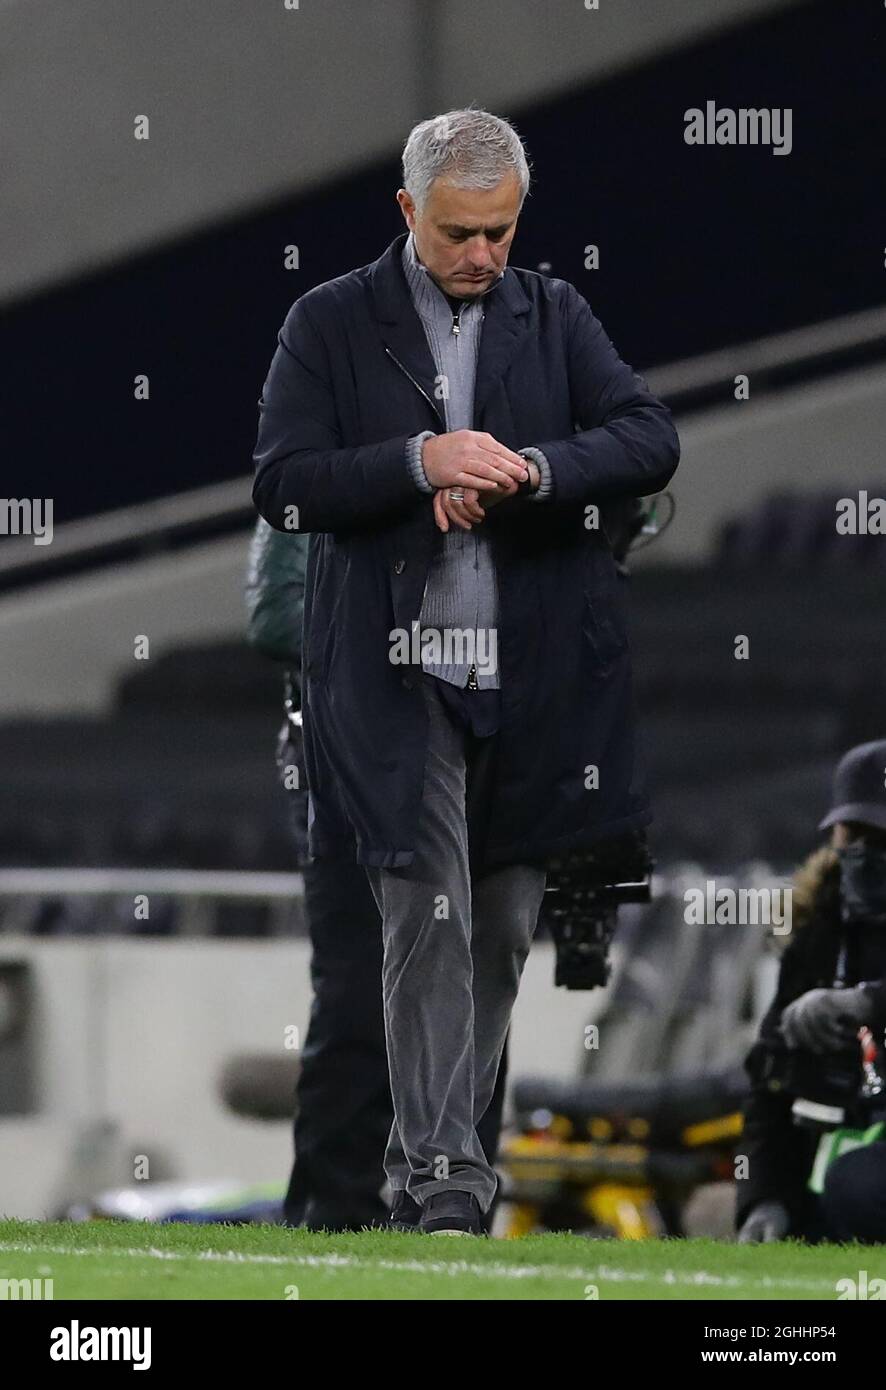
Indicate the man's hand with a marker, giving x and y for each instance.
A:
(825, 1020)
(471, 459)
(766, 1221)
(489, 499)
(471, 510)
(465, 514)
(474, 506)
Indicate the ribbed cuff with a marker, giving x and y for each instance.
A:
(414, 463)
(546, 486)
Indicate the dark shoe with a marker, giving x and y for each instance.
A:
(338, 1216)
(405, 1212)
(452, 1213)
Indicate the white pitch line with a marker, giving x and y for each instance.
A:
(696, 1278)
(331, 1261)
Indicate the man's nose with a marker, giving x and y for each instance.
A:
(479, 253)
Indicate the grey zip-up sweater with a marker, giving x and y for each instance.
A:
(462, 588)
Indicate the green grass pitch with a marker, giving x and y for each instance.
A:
(125, 1260)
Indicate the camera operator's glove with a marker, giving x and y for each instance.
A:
(766, 1221)
(825, 1020)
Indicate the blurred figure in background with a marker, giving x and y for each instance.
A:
(344, 1109)
(811, 1062)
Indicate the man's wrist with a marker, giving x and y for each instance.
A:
(414, 460)
(530, 483)
(540, 483)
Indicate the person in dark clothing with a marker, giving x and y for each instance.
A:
(344, 1109)
(838, 934)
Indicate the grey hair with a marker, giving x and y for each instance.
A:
(467, 148)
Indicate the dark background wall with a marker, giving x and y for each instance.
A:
(700, 246)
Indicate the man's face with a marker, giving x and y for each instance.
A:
(845, 833)
(463, 235)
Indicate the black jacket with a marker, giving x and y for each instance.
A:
(352, 379)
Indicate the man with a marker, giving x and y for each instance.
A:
(838, 928)
(449, 430)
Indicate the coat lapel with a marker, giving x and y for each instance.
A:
(506, 321)
(505, 327)
(400, 326)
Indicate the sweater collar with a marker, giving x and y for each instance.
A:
(424, 287)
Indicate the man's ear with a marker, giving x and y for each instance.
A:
(407, 207)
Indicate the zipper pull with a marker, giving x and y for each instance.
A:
(472, 679)
(455, 325)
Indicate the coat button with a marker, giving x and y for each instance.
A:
(400, 566)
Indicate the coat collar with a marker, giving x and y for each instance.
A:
(506, 308)
(816, 884)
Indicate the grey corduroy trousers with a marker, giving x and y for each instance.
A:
(455, 944)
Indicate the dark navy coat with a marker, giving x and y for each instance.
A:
(352, 379)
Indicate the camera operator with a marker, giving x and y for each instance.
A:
(818, 1063)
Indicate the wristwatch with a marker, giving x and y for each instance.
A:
(526, 488)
